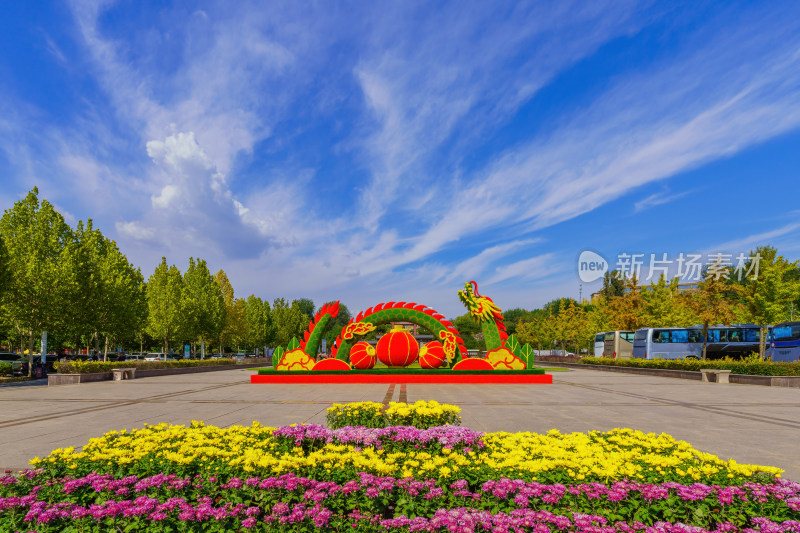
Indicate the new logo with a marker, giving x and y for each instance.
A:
(591, 266)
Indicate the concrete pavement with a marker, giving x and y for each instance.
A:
(751, 424)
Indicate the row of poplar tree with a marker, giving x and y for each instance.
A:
(78, 286)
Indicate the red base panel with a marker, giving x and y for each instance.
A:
(448, 377)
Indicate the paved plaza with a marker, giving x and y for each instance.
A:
(749, 423)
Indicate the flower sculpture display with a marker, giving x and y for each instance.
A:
(399, 350)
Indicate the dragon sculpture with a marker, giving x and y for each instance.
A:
(301, 355)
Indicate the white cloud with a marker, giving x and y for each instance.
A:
(135, 230)
(656, 199)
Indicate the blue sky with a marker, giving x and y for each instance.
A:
(376, 152)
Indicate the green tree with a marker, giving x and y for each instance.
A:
(258, 317)
(627, 311)
(4, 274)
(203, 303)
(236, 323)
(35, 236)
(289, 320)
(513, 317)
(306, 305)
(234, 315)
(164, 296)
(770, 291)
(613, 285)
(122, 307)
(81, 259)
(715, 301)
(664, 307)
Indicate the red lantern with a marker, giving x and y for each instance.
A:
(398, 348)
(362, 355)
(431, 355)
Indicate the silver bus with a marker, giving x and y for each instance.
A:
(668, 343)
(614, 344)
(736, 341)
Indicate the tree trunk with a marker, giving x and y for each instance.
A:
(105, 350)
(141, 345)
(30, 353)
(705, 340)
(762, 341)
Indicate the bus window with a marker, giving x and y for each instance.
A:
(713, 335)
(627, 335)
(640, 335)
(599, 337)
(680, 335)
(695, 335)
(610, 336)
(786, 333)
(752, 335)
(734, 335)
(660, 336)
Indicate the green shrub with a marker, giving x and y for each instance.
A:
(750, 366)
(5, 368)
(88, 367)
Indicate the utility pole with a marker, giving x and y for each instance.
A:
(580, 293)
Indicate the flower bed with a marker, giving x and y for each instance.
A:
(763, 368)
(395, 478)
(420, 414)
(89, 367)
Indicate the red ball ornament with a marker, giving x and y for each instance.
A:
(331, 364)
(363, 355)
(473, 364)
(398, 348)
(432, 355)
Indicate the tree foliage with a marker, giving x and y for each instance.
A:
(290, 321)
(164, 297)
(202, 303)
(35, 236)
(768, 295)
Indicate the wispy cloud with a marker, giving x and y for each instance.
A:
(658, 198)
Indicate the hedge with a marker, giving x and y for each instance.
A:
(5, 368)
(762, 368)
(88, 367)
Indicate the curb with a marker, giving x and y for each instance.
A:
(742, 379)
(71, 379)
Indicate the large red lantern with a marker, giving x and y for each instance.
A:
(362, 355)
(398, 348)
(431, 355)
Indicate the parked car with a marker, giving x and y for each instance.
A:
(155, 357)
(20, 366)
(8, 357)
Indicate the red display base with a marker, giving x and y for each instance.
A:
(444, 377)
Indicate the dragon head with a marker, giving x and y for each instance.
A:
(480, 307)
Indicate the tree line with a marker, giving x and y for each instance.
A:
(77, 285)
(771, 297)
